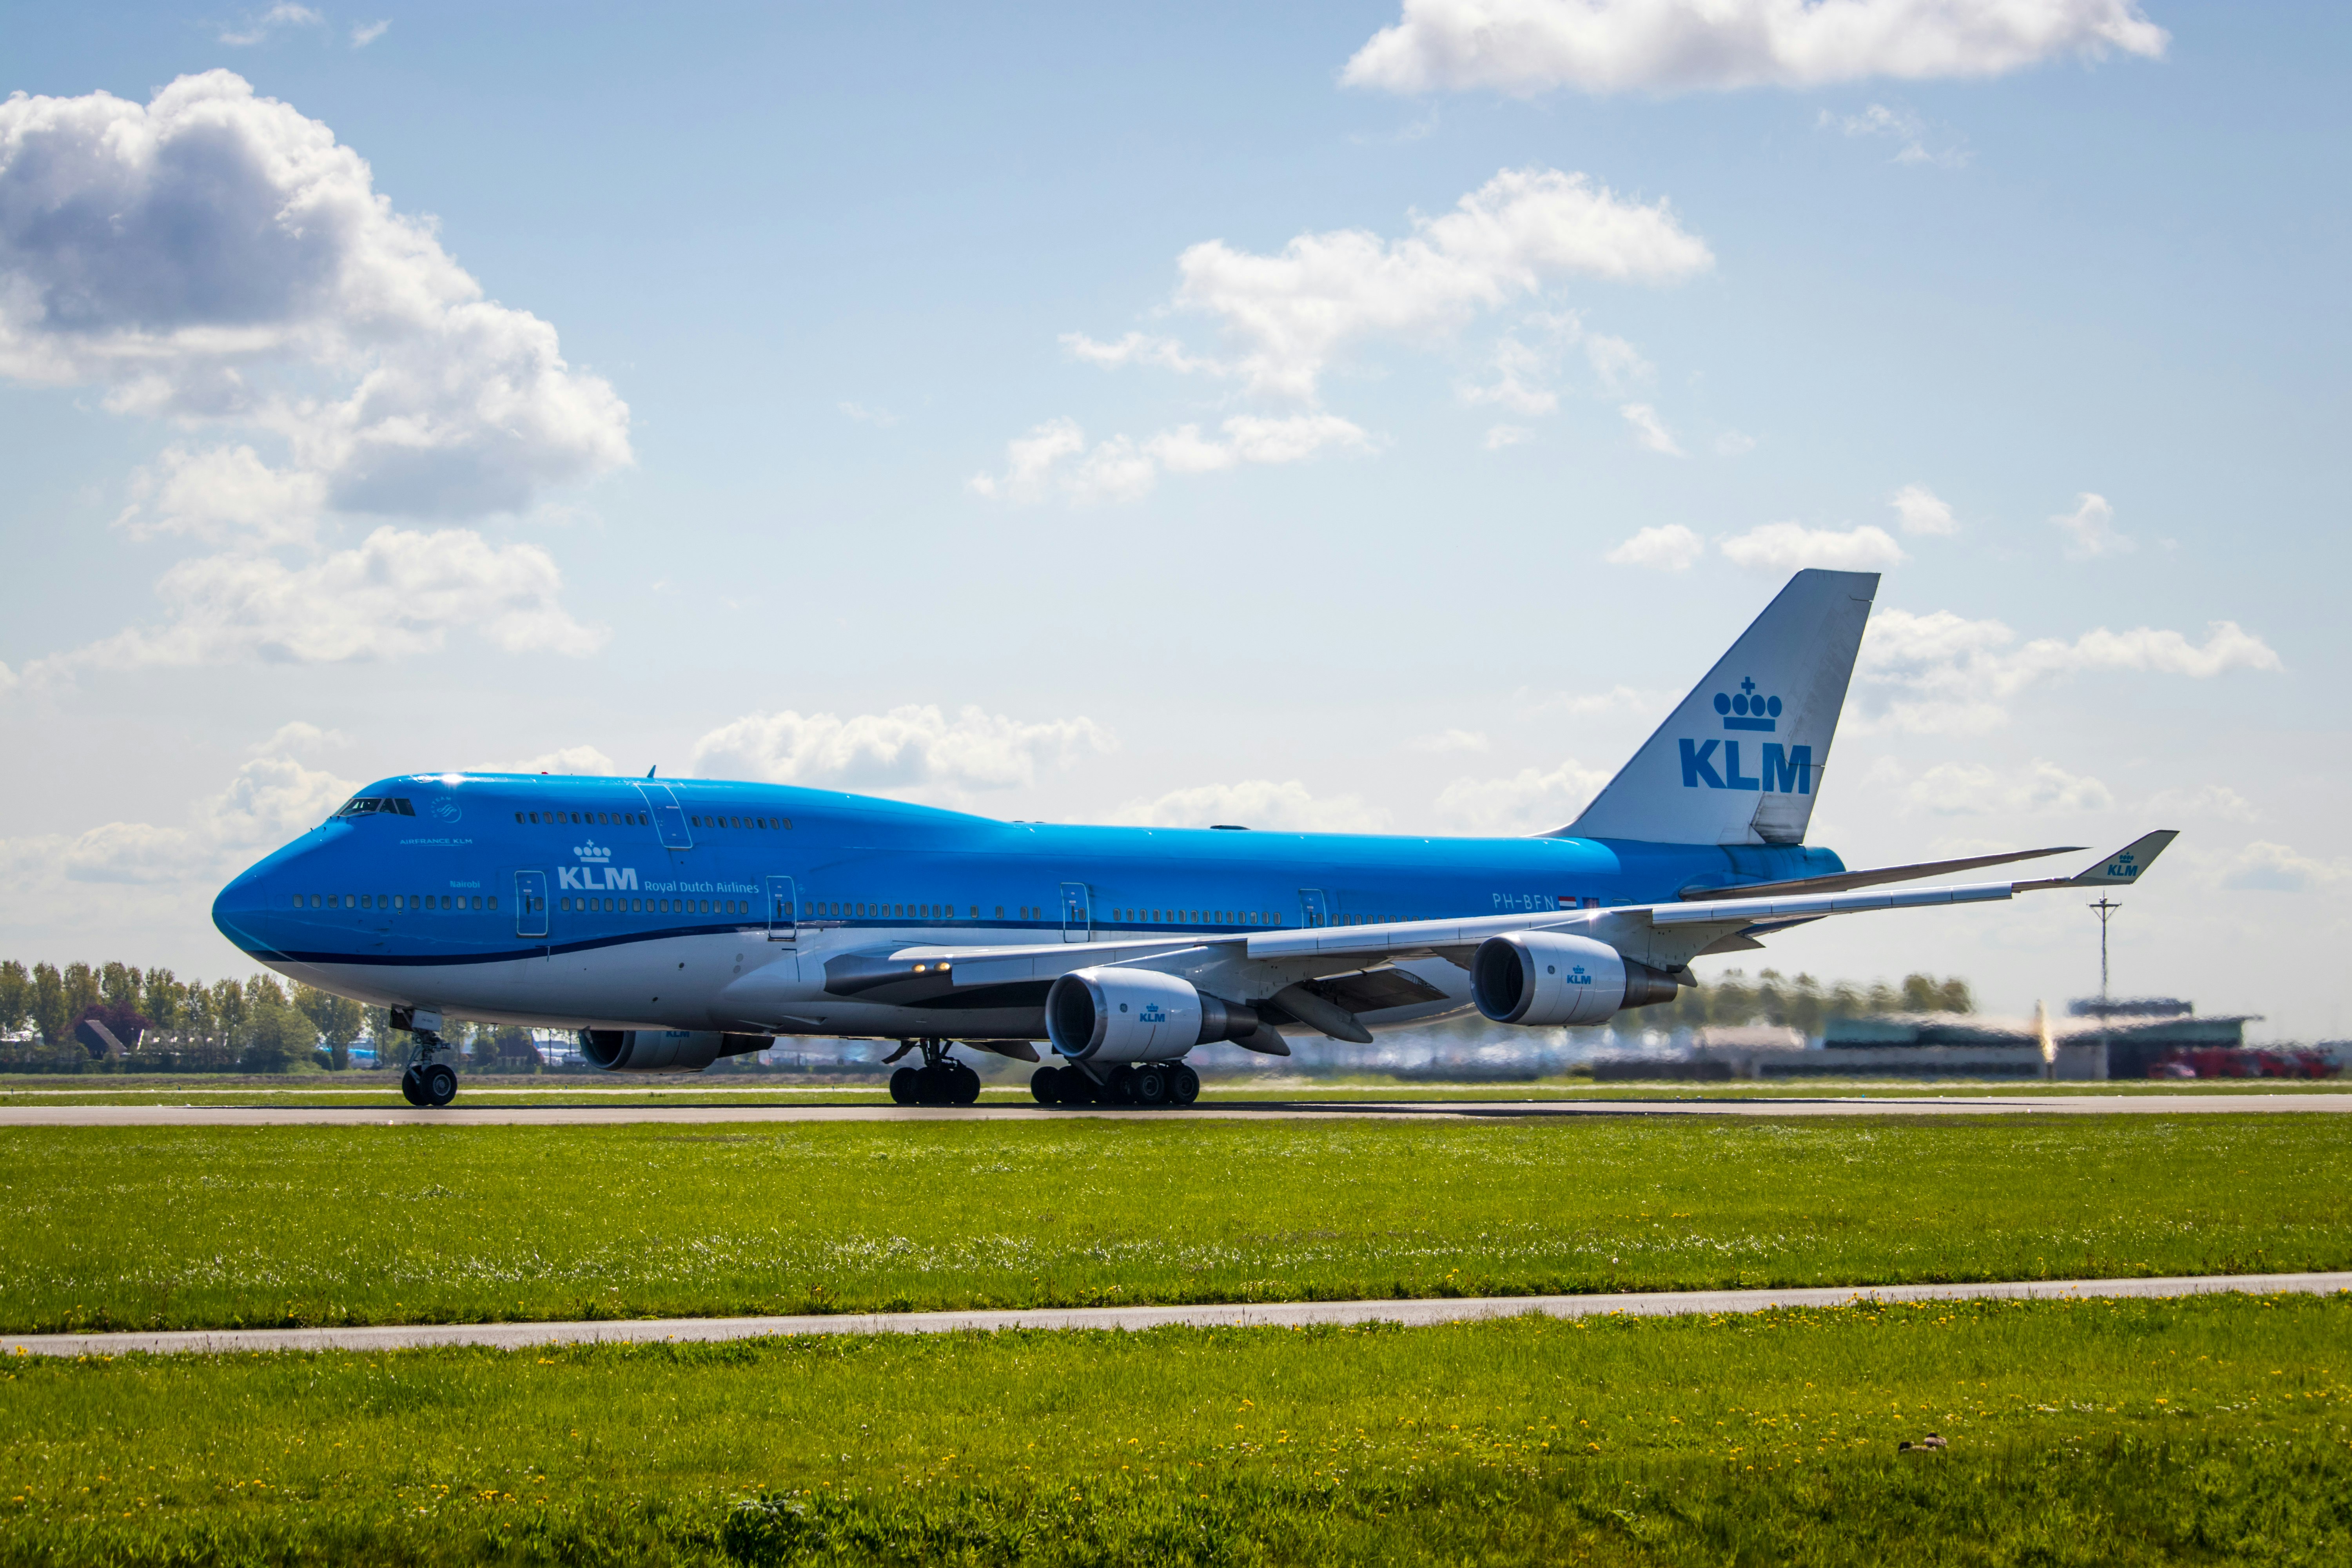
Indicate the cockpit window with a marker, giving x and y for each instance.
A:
(366, 804)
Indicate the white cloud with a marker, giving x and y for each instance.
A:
(2089, 530)
(915, 750)
(1668, 548)
(865, 416)
(1963, 789)
(1943, 674)
(1055, 459)
(2266, 867)
(1901, 125)
(271, 799)
(1734, 444)
(258, 30)
(1288, 314)
(2217, 801)
(1502, 436)
(1922, 511)
(585, 760)
(1779, 547)
(367, 33)
(1525, 47)
(1531, 801)
(1650, 429)
(214, 258)
(1519, 384)
(1255, 802)
(1617, 363)
(400, 591)
(1450, 740)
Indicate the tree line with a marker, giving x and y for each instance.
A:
(1804, 1002)
(256, 1024)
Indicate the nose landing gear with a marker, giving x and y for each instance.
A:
(429, 1082)
(940, 1081)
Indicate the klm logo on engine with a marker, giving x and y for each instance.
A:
(1715, 764)
(1576, 975)
(1153, 1013)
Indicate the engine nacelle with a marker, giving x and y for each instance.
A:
(1117, 1014)
(664, 1050)
(1545, 978)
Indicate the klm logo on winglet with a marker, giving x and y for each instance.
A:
(2125, 866)
(1745, 711)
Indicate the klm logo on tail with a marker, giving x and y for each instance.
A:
(1783, 770)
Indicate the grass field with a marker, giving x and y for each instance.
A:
(191, 1227)
(2097, 1433)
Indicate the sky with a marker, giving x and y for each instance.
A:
(1365, 417)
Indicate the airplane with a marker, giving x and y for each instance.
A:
(672, 923)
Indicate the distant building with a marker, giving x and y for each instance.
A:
(2095, 1040)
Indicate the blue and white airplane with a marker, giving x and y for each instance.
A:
(673, 923)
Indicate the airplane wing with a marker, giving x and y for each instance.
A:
(1254, 967)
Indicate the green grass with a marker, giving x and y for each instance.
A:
(183, 1227)
(2137, 1432)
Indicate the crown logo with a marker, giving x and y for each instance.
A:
(1743, 710)
(592, 852)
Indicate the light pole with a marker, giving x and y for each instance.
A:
(2106, 910)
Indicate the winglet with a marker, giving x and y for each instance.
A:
(2123, 867)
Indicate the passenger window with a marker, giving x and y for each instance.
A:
(518, 816)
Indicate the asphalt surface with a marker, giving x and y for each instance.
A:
(559, 1113)
(1456, 1310)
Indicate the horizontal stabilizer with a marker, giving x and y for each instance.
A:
(2120, 870)
(1845, 881)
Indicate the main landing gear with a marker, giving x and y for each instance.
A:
(1143, 1083)
(940, 1081)
(429, 1081)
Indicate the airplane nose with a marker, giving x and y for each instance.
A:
(243, 912)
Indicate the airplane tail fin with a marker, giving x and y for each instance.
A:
(1741, 760)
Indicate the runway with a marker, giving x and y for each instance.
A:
(560, 1113)
(1298, 1315)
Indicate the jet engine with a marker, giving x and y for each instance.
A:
(1117, 1014)
(1548, 978)
(664, 1050)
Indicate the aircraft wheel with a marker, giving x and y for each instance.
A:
(1147, 1085)
(412, 1087)
(1045, 1086)
(902, 1086)
(963, 1082)
(1118, 1089)
(1183, 1085)
(440, 1083)
(1076, 1089)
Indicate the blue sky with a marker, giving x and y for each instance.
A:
(1399, 438)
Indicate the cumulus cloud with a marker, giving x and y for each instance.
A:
(1651, 430)
(399, 593)
(1529, 801)
(914, 750)
(1286, 315)
(586, 759)
(1055, 459)
(2265, 868)
(215, 258)
(1526, 47)
(367, 33)
(1501, 436)
(1780, 547)
(1944, 674)
(272, 797)
(1670, 547)
(1255, 802)
(1969, 789)
(2089, 530)
(1922, 511)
